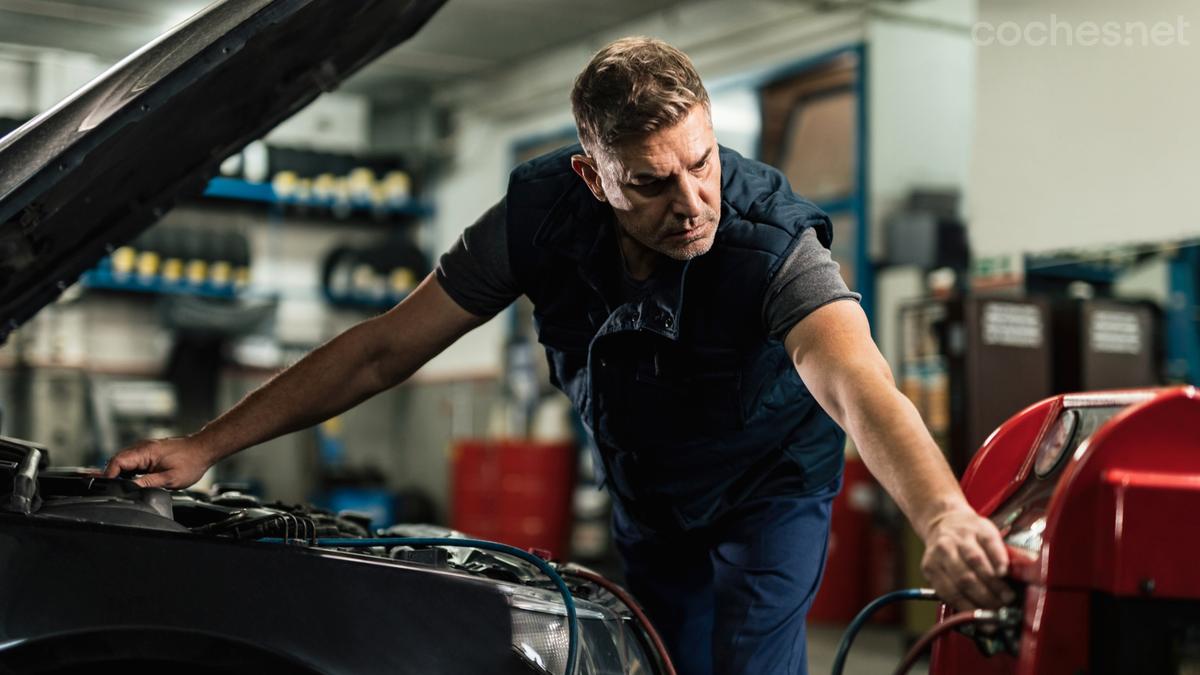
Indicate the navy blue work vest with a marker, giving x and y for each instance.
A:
(692, 406)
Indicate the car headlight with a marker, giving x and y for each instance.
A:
(609, 643)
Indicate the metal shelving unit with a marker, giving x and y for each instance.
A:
(234, 189)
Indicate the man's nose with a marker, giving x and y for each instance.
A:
(688, 203)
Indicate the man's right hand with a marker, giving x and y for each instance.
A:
(173, 463)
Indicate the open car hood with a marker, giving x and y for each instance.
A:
(97, 169)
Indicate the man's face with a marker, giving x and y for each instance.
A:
(664, 187)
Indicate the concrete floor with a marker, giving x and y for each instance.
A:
(876, 651)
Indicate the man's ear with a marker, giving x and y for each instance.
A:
(586, 168)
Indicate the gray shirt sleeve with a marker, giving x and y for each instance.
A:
(807, 280)
(475, 272)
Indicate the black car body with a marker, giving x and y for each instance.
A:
(102, 574)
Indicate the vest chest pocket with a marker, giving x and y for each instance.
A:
(675, 394)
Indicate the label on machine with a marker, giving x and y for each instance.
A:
(1115, 332)
(1011, 324)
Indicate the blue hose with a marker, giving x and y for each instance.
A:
(572, 622)
(839, 662)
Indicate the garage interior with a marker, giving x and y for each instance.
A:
(1008, 184)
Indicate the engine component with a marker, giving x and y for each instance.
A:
(19, 463)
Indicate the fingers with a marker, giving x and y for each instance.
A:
(943, 583)
(131, 459)
(975, 576)
(166, 463)
(967, 584)
(993, 546)
(163, 479)
(962, 567)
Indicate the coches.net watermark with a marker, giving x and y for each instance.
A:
(1059, 33)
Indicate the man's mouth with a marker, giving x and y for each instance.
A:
(690, 234)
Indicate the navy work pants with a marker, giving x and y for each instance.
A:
(731, 598)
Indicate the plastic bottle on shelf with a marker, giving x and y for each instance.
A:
(285, 184)
(240, 257)
(124, 260)
(196, 268)
(324, 188)
(232, 166)
(397, 187)
(304, 191)
(401, 281)
(148, 256)
(361, 183)
(343, 203)
(256, 162)
(172, 257)
(367, 283)
(220, 270)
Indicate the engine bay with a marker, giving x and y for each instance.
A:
(612, 638)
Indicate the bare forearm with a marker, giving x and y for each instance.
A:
(897, 448)
(964, 555)
(329, 380)
(853, 383)
(361, 362)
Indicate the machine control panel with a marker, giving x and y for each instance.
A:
(1096, 496)
(1022, 519)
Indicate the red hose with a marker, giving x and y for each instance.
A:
(625, 597)
(952, 621)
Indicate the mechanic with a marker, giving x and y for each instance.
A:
(690, 309)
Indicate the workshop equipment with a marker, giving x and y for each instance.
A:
(957, 365)
(1098, 498)
(958, 356)
(513, 490)
(1106, 344)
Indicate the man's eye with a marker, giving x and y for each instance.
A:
(701, 166)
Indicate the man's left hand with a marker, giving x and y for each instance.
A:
(965, 559)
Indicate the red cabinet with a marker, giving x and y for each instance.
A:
(514, 491)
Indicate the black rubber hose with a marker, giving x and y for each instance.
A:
(839, 662)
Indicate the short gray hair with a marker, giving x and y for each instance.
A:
(632, 87)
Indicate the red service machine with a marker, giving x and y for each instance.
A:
(1098, 499)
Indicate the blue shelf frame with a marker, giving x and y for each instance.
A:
(235, 189)
(103, 278)
(1183, 315)
(856, 204)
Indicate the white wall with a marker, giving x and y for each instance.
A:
(33, 80)
(921, 79)
(1086, 146)
(15, 89)
(58, 74)
(334, 122)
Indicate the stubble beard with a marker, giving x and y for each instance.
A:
(698, 247)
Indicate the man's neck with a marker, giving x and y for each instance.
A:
(639, 260)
